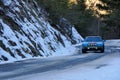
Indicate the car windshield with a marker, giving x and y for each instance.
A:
(90, 39)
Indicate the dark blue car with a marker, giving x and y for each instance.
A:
(93, 43)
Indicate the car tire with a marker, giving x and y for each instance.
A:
(83, 51)
(102, 50)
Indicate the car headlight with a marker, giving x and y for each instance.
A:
(100, 44)
(84, 44)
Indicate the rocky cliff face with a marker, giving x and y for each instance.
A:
(25, 31)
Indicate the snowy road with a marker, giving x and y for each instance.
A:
(29, 67)
(91, 66)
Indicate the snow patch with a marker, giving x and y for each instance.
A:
(7, 2)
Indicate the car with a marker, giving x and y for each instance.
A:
(93, 43)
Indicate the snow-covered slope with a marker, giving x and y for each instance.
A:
(25, 32)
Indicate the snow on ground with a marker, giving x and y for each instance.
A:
(69, 50)
(34, 35)
(115, 42)
(105, 68)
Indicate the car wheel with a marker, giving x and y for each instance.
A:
(102, 50)
(83, 51)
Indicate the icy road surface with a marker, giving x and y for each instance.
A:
(91, 66)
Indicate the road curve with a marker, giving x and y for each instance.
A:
(34, 66)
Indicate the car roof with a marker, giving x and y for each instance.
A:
(93, 36)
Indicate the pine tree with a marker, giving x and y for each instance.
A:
(112, 19)
(56, 8)
(80, 17)
(76, 13)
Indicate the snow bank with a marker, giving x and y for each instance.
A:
(26, 33)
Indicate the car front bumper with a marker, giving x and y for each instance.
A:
(92, 48)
